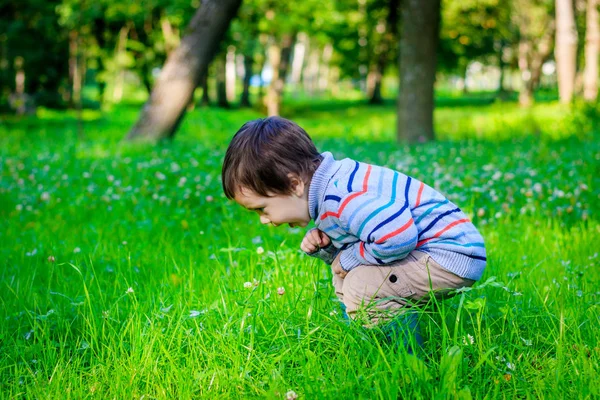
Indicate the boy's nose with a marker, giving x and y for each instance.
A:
(264, 220)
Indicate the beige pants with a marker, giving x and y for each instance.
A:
(376, 293)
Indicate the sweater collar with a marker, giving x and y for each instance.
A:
(318, 183)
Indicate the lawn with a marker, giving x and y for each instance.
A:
(126, 273)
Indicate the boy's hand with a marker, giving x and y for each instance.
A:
(336, 267)
(314, 240)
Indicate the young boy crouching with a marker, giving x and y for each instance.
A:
(390, 239)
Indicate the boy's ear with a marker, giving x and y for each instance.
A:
(297, 184)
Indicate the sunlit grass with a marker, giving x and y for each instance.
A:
(127, 274)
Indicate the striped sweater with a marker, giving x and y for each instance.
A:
(375, 215)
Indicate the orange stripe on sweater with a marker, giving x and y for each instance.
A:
(452, 225)
(396, 232)
(362, 249)
(364, 190)
(419, 194)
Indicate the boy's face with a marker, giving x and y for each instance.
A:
(278, 209)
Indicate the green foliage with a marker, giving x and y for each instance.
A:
(127, 274)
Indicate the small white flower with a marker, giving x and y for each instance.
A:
(209, 198)
(129, 290)
(124, 243)
(510, 366)
(260, 250)
(281, 291)
(19, 207)
(76, 250)
(247, 285)
(31, 253)
(51, 259)
(45, 196)
(194, 313)
(291, 395)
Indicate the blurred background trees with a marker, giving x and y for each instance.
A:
(92, 54)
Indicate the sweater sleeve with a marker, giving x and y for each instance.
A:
(384, 227)
(327, 253)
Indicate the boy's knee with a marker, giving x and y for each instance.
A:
(375, 293)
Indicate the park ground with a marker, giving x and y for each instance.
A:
(126, 273)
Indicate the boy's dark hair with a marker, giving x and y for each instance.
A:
(262, 154)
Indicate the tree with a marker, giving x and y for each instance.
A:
(566, 49)
(418, 46)
(592, 48)
(536, 24)
(174, 89)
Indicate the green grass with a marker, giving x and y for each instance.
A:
(125, 270)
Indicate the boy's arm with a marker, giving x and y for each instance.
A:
(384, 227)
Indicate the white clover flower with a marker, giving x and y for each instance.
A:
(291, 395)
(260, 250)
(281, 291)
(51, 259)
(209, 198)
(129, 290)
(247, 285)
(76, 250)
(45, 196)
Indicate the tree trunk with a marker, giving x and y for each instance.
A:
(248, 64)
(501, 67)
(230, 74)
(324, 70)
(592, 48)
(279, 56)
(531, 59)
(205, 100)
(566, 49)
(75, 75)
(388, 39)
(220, 79)
(299, 55)
(420, 24)
(181, 73)
(120, 78)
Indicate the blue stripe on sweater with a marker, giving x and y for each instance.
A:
(458, 252)
(366, 203)
(392, 200)
(439, 217)
(426, 213)
(332, 197)
(394, 216)
(351, 180)
(475, 244)
(400, 245)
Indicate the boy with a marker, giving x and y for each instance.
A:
(390, 239)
